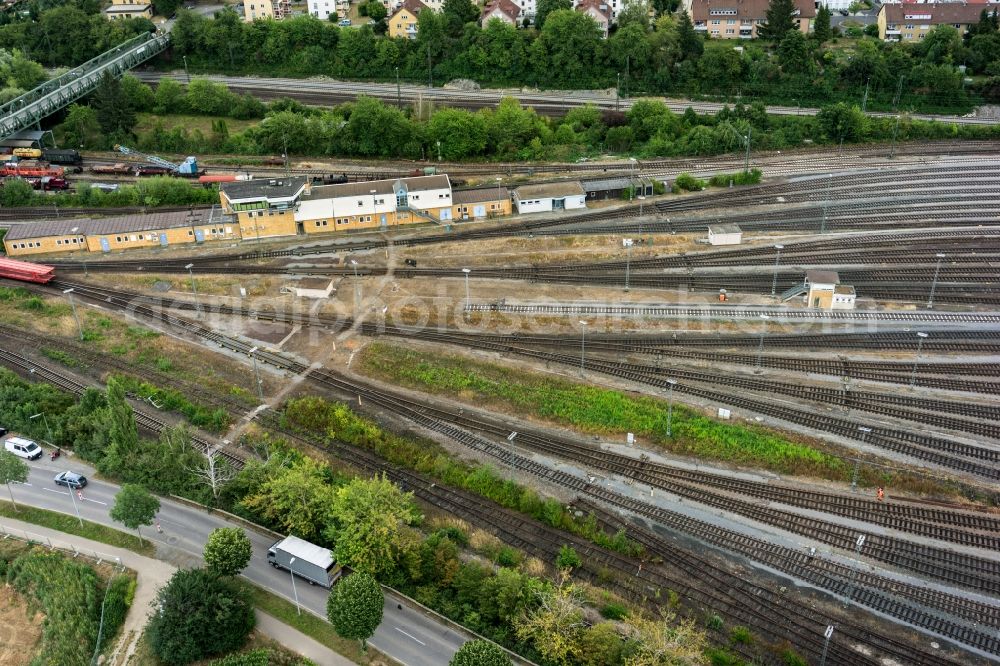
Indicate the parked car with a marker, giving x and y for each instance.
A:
(70, 480)
(344, 23)
(23, 448)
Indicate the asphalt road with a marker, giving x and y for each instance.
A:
(406, 634)
(312, 91)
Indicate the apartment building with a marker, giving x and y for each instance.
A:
(739, 19)
(123, 9)
(403, 21)
(910, 22)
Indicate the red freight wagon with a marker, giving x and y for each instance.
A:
(26, 271)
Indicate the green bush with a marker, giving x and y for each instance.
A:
(117, 600)
(614, 611)
(688, 183)
(741, 634)
(67, 593)
(213, 420)
(260, 657)
(567, 558)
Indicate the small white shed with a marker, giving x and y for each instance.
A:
(313, 288)
(549, 197)
(725, 234)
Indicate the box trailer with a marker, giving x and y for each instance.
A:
(305, 560)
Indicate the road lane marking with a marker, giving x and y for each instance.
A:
(410, 636)
(61, 492)
(87, 499)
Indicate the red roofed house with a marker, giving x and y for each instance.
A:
(597, 10)
(403, 22)
(739, 19)
(503, 10)
(911, 22)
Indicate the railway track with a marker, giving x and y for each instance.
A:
(144, 420)
(322, 377)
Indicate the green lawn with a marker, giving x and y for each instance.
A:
(146, 121)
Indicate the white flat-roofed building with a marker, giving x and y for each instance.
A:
(548, 197)
(725, 234)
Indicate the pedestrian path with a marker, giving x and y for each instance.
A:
(151, 575)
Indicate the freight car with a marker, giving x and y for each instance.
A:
(25, 271)
(28, 153)
(31, 169)
(330, 179)
(120, 168)
(208, 181)
(66, 157)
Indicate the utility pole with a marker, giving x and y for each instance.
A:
(921, 336)
(583, 345)
(256, 374)
(854, 572)
(186, 72)
(864, 102)
(670, 405)
(618, 89)
(895, 131)
(69, 295)
(899, 90)
(467, 299)
(628, 261)
(746, 160)
(46, 422)
(628, 60)
(399, 94)
(774, 278)
(937, 271)
(284, 137)
(857, 461)
(760, 347)
(826, 203)
(430, 71)
(194, 288)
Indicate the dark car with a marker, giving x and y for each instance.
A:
(70, 480)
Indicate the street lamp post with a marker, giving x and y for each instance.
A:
(295, 592)
(186, 72)
(920, 346)
(774, 278)
(499, 197)
(760, 347)
(746, 160)
(467, 299)
(399, 94)
(895, 131)
(194, 287)
(854, 572)
(857, 461)
(937, 271)
(642, 200)
(583, 345)
(357, 287)
(46, 422)
(72, 305)
(76, 507)
(256, 373)
(670, 405)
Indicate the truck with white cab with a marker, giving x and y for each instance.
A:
(306, 560)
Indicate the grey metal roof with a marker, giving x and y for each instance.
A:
(107, 225)
(725, 229)
(546, 190)
(479, 194)
(125, 9)
(606, 184)
(271, 188)
(350, 190)
(822, 277)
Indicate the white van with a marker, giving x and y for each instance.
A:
(23, 448)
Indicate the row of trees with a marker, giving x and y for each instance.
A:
(371, 128)
(567, 52)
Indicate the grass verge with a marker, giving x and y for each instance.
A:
(597, 410)
(316, 628)
(70, 525)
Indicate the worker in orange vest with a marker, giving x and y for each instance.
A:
(881, 494)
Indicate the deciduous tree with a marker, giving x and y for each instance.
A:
(199, 615)
(665, 641)
(297, 499)
(354, 607)
(12, 470)
(555, 625)
(545, 7)
(368, 516)
(480, 653)
(227, 551)
(134, 507)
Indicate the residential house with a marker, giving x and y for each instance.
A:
(740, 19)
(123, 9)
(600, 11)
(322, 9)
(910, 22)
(403, 22)
(501, 10)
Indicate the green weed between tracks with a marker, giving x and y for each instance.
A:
(596, 410)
